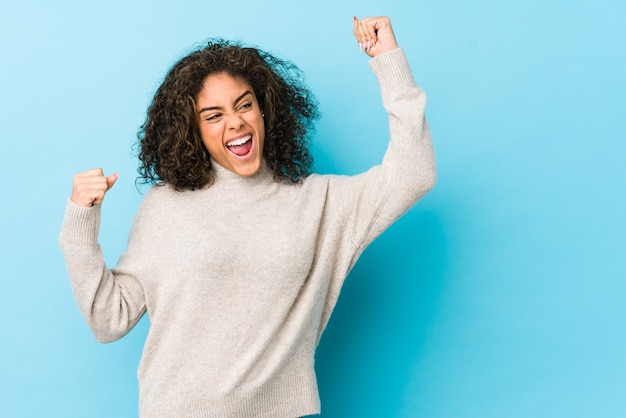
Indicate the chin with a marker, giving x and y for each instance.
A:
(248, 170)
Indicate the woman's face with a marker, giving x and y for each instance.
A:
(231, 124)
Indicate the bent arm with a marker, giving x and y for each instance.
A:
(408, 169)
(111, 302)
(373, 200)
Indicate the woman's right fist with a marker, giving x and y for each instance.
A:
(91, 186)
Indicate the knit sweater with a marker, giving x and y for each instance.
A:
(239, 278)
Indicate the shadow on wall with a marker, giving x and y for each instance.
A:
(383, 317)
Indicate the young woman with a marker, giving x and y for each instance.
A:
(238, 252)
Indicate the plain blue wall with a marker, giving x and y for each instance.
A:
(501, 294)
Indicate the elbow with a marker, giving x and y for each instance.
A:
(426, 179)
(109, 325)
(107, 330)
(104, 339)
(105, 336)
(430, 180)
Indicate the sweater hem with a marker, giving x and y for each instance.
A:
(288, 397)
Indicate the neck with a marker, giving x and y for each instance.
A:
(226, 176)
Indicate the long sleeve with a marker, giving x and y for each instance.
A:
(111, 303)
(372, 201)
(357, 209)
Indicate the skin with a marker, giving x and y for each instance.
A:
(90, 187)
(228, 113)
(374, 36)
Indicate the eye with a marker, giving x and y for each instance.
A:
(245, 106)
(213, 117)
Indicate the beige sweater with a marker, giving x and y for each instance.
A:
(239, 279)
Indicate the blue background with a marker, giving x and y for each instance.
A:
(501, 294)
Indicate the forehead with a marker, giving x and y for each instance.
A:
(222, 87)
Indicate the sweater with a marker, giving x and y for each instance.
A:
(239, 278)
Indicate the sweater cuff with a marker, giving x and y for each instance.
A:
(80, 225)
(392, 70)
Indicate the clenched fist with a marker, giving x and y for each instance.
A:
(374, 35)
(91, 186)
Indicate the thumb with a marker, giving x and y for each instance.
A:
(111, 180)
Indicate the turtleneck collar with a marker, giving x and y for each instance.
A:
(225, 177)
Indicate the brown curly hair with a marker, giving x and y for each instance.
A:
(170, 146)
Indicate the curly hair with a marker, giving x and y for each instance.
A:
(170, 146)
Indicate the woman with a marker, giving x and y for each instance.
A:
(237, 252)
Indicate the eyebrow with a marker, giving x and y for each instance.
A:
(204, 109)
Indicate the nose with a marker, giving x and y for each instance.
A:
(234, 121)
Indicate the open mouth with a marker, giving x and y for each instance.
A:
(240, 146)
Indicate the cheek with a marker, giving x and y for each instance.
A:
(261, 133)
(261, 125)
(210, 135)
